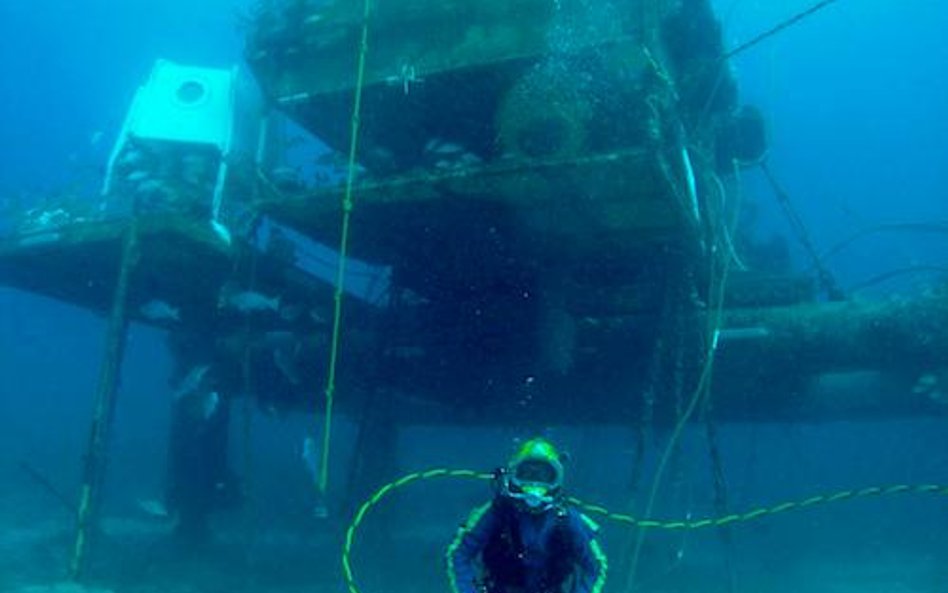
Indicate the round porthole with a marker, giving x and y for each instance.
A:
(191, 92)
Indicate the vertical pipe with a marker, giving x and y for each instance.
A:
(106, 392)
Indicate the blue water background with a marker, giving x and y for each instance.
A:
(857, 101)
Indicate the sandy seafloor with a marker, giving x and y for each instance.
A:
(135, 555)
(896, 544)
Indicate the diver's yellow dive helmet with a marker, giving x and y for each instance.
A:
(534, 475)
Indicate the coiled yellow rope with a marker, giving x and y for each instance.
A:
(759, 513)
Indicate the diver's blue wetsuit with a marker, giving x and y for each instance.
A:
(502, 549)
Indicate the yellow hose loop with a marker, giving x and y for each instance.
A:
(382, 493)
(764, 511)
(593, 509)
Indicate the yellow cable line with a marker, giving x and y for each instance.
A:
(716, 291)
(623, 518)
(347, 205)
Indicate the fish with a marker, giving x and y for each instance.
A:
(248, 301)
(469, 159)
(410, 298)
(925, 384)
(442, 147)
(285, 175)
(222, 232)
(153, 508)
(448, 148)
(209, 404)
(136, 176)
(932, 386)
(151, 186)
(310, 457)
(200, 404)
(320, 510)
(130, 158)
(158, 310)
(192, 381)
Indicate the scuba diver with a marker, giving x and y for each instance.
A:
(527, 540)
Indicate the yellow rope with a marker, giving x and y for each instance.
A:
(343, 251)
(105, 398)
(758, 513)
(716, 293)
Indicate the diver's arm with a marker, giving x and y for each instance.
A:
(591, 562)
(467, 546)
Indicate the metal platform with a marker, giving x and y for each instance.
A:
(185, 264)
(516, 223)
(479, 343)
(527, 212)
(497, 77)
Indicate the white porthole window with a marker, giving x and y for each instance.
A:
(191, 93)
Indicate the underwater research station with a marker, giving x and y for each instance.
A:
(456, 212)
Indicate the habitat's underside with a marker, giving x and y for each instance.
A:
(544, 182)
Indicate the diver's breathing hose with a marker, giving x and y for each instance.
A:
(626, 519)
(382, 493)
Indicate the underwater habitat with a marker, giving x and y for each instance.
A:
(474, 296)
